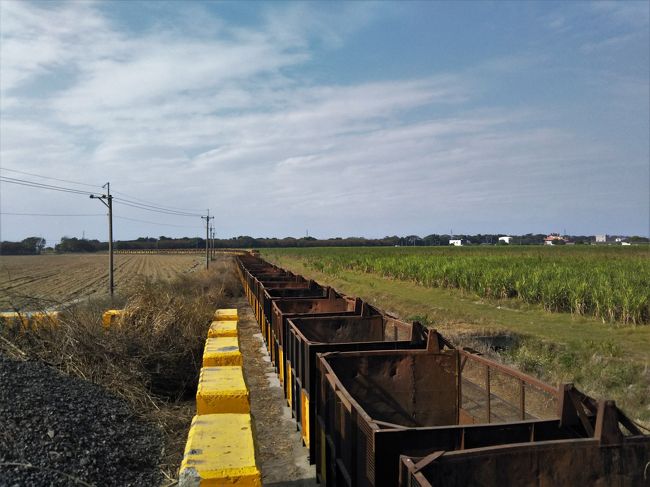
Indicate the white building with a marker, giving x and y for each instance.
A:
(554, 239)
(456, 243)
(505, 240)
(601, 238)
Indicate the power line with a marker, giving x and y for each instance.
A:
(48, 177)
(156, 209)
(134, 204)
(52, 214)
(34, 184)
(155, 223)
(140, 200)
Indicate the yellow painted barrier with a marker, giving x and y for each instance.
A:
(28, 319)
(221, 351)
(225, 315)
(304, 417)
(222, 390)
(110, 316)
(222, 329)
(220, 452)
(289, 388)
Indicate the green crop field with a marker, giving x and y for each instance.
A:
(574, 314)
(610, 283)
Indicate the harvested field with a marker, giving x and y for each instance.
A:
(149, 361)
(43, 281)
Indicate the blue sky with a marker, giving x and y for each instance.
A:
(353, 118)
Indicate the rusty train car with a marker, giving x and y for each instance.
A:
(383, 402)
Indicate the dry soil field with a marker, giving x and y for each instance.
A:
(42, 281)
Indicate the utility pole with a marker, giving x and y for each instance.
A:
(207, 238)
(107, 201)
(214, 250)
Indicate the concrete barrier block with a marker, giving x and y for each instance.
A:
(29, 319)
(222, 329)
(220, 452)
(226, 315)
(222, 390)
(110, 316)
(221, 351)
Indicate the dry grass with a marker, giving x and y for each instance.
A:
(151, 357)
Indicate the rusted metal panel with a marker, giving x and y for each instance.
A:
(562, 463)
(307, 289)
(307, 337)
(333, 305)
(399, 390)
(400, 407)
(368, 413)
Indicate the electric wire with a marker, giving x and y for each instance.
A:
(48, 177)
(118, 200)
(34, 184)
(136, 199)
(154, 223)
(155, 209)
(51, 214)
(140, 200)
(123, 201)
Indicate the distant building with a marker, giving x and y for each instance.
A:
(626, 243)
(554, 238)
(601, 238)
(505, 240)
(619, 239)
(456, 243)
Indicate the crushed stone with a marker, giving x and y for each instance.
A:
(58, 430)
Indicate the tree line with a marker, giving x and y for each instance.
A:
(36, 245)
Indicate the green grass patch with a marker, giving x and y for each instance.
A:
(604, 360)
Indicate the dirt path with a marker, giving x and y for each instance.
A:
(280, 454)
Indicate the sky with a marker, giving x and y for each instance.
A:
(332, 119)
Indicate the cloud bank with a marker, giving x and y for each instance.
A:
(195, 110)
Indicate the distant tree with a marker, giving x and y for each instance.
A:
(74, 244)
(27, 246)
(34, 243)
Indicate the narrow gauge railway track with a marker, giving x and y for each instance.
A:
(382, 402)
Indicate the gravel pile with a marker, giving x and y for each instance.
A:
(58, 430)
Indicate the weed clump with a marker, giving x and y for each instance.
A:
(150, 356)
(599, 368)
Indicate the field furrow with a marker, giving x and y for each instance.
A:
(43, 281)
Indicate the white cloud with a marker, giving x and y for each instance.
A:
(219, 117)
(635, 14)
